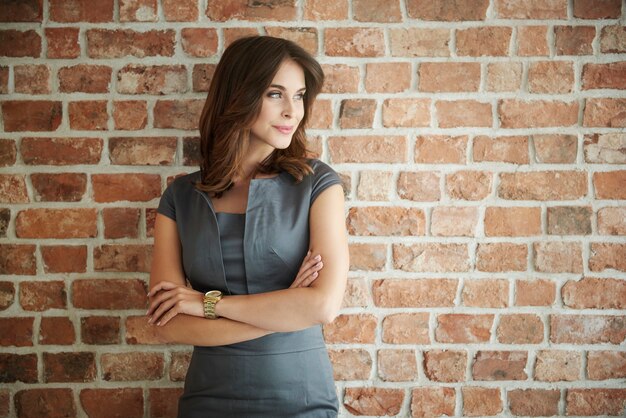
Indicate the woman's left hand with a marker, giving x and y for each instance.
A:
(169, 299)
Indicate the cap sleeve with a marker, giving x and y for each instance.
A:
(166, 204)
(323, 177)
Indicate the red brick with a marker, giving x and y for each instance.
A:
(351, 364)
(164, 402)
(7, 294)
(81, 11)
(5, 218)
(118, 43)
(445, 365)
(132, 366)
(13, 189)
(485, 293)
(463, 328)
(459, 113)
(354, 42)
(551, 77)
(61, 151)
(62, 43)
(59, 187)
(520, 329)
(201, 77)
(89, 115)
(543, 185)
(4, 402)
(16, 332)
(232, 34)
(597, 9)
(130, 115)
(125, 402)
(373, 401)
(532, 41)
(449, 76)
(608, 184)
(64, 258)
(601, 401)
(150, 218)
(385, 221)
(31, 79)
(340, 78)
(555, 149)
(613, 39)
(43, 295)
(138, 331)
(534, 402)
(609, 148)
(419, 186)
(557, 365)
(375, 11)
(569, 220)
(179, 365)
(318, 10)
(532, 9)
(367, 149)
(481, 41)
(199, 42)
(431, 257)
(17, 259)
(56, 223)
(356, 113)
(501, 256)
(177, 114)
(4, 80)
(603, 365)
(142, 150)
(18, 367)
(109, 294)
(8, 152)
(432, 401)
(370, 257)
(478, 401)
(445, 11)
(29, 115)
(535, 292)
(138, 10)
(469, 185)
(604, 76)
(358, 328)
(612, 221)
(454, 221)
(152, 79)
(49, 402)
(306, 37)
(587, 329)
(558, 257)
(387, 77)
(499, 365)
(406, 328)
(281, 10)
(419, 42)
(56, 331)
(121, 222)
(16, 43)
(126, 187)
(605, 255)
(397, 365)
(180, 10)
(508, 149)
(21, 11)
(512, 221)
(85, 78)
(69, 367)
(605, 112)
(574, 40)
(514, 113)
(438, 149)
(130, 258)
(100, 330)
(414, 293)
(406, 113)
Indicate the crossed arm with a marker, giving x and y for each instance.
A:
(312, 299)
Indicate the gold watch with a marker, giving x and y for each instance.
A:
(210, 300)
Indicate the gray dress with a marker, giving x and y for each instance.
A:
(284, 374)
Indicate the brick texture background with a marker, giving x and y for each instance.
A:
(483, 148)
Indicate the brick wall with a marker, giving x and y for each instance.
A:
(483, 149)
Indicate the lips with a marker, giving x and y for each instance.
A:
(284, 129)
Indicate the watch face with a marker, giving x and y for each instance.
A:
(213, 293)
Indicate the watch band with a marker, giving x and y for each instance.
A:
(210, 300)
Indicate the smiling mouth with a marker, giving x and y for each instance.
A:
(284, 129)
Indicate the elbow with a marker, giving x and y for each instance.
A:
(327, 313)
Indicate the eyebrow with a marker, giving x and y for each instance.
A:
(278, 86)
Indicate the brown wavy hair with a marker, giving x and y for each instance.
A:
(233, 103)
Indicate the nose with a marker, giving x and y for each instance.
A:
(288, 108)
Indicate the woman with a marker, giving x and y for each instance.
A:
(249, 231)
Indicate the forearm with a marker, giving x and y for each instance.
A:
(193, 330)
(282, 310)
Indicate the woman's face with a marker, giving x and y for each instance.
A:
(281, 111)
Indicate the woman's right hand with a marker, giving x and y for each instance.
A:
(308, 270)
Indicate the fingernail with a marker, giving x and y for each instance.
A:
(318, 257)
(315, 273)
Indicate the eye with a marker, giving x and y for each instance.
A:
(300, 96)
(274, 94)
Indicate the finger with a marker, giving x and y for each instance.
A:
(308, 280)
(163, 308)
(310, 262)
(168, 315)
(162, 285)
(157, 300)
